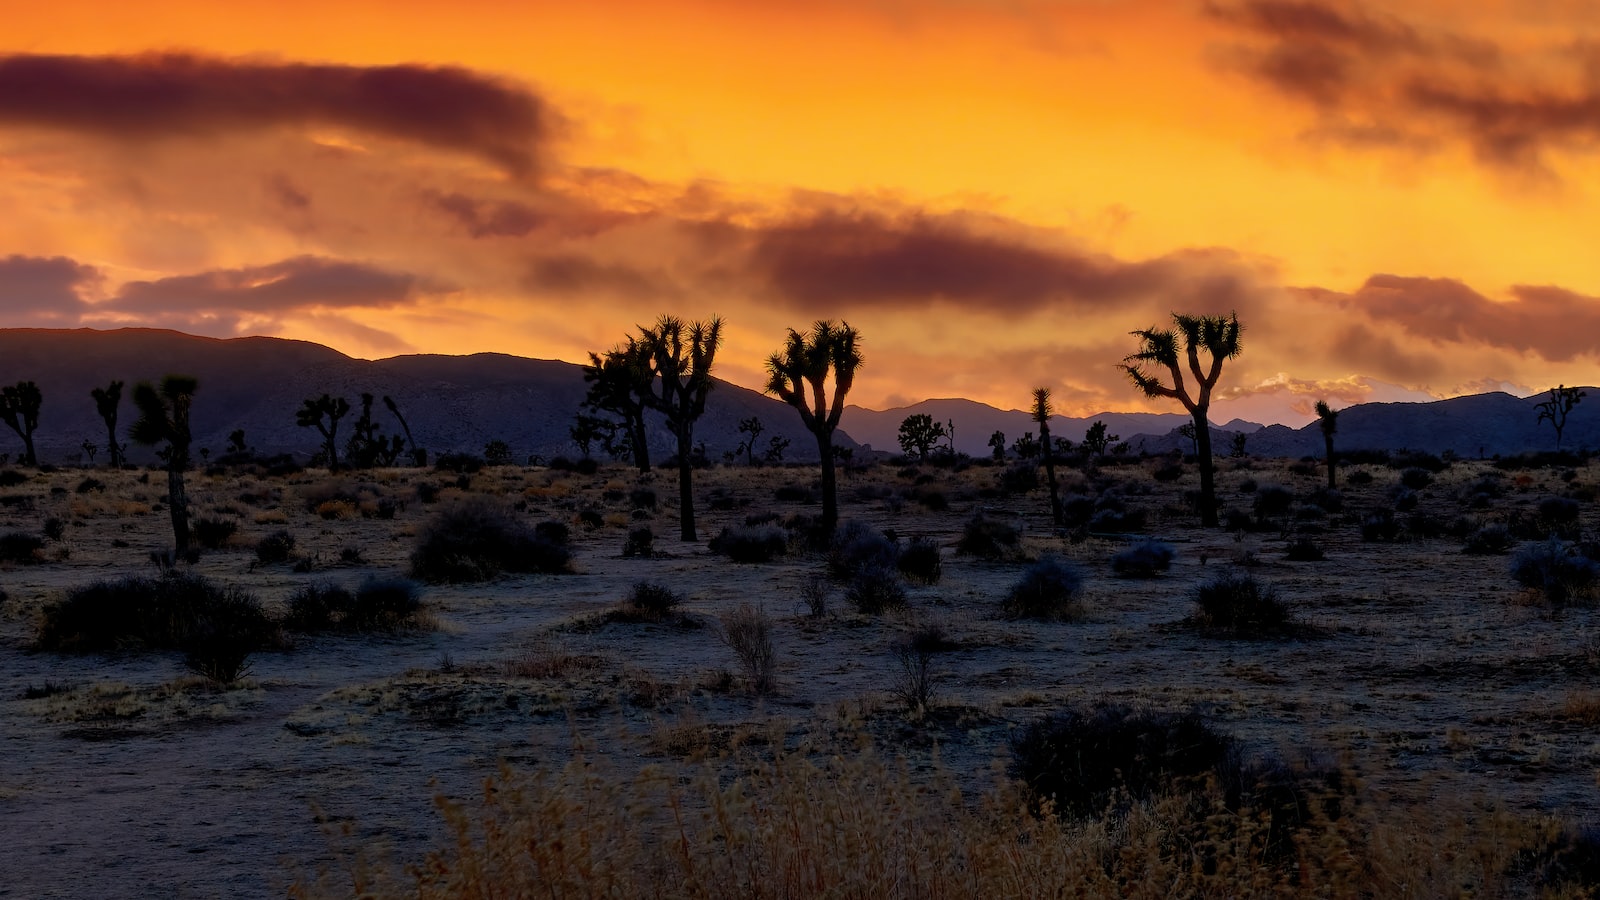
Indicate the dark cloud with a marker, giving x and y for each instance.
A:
(1362, 349)
(1378, 81)
(301, 282)
(1552, 322)
(574, 274)
(282, 190)
(486, 218)
(38, 290)
(175, 94)
(836, 260)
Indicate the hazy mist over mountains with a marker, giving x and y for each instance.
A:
(462, 402)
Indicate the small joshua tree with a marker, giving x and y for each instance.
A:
(1328, 421)
(1041, 414)
(1555, 410)
(619, 380)
(19, 409)
(997, 443)
(164, 422)
(681, 354)
(1218, 336)
(419, 456)
(799, 373)
(1095, 441)
(106, 401)
(919, 432)
(753, 427)
(314, 412)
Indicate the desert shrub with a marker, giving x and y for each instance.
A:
(1144, 559)
(1168, 473)
(1417, 459)
(1248, 486)
(317, 607)
(90, 485)
(1048, 589)
(747, 631)
(1117, 521)
(377, 604)
(931, 499)
(11, 478)
(920, 562)
(1076, 510)
(1082, 762)
(1558, 517)
(641, 541)
(211, 532)
(814, 594)
(1379, 525)
(1019, 478)
(1416, 478)
(794, 493)
(1273, 500)
(642, 498)
(1237, 520)
(1492, 539)
(1304, 550)
(276, 547)
(1425, 526)
(591, 518)
(1327, 500)
(1558, 571)
(460, 463)
(988, 538)
(216, 627)
(1359, 477)
(751, 543)
(1241, 605)
(21, 547)
(874, 587)
(477, 539)
(856, 546)
(54, 528)
(427, 492)
(554, 532)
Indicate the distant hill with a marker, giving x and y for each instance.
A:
(975, 422)
(1471, 426)
(453, 403)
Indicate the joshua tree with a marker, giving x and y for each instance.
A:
(1328, 421)
(753, 427)
(682, 354)
(802, 367)
(1555, 410)
(1095, 440)
(236, 444)
(619, 381)
(1218, 336)
(1027, 446)
(106, 400)
(19, 408)
(919, 432)
(1041, 414)
(368, 447)
(587, 429)
(997, 443)
(164, 420)
(418, 455)
(324, 407)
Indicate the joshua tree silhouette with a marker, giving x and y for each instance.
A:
(798, 375)
(106, 401)
(1041, 414)
(1555, 410)
(1218, 336)
(419, 456)
(1328, 421)
(681, 354)
(164, 420)
(919, 432)
(324, 407)
(619, 380)
(19, 408)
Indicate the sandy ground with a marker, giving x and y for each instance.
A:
(1428, 669)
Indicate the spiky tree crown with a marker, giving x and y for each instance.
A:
(1327, 418)
(806, 360)
(1218, 336)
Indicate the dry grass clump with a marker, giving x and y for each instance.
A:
(853, 825)
(747, 631)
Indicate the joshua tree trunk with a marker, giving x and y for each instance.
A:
(830, 481)
(686, 530)
(641, 447)
(32, 459)
(1208, 487)
(178, 503)
(1327, 439)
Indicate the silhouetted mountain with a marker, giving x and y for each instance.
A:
(975, 422)
(1471, 426)
(453, 403)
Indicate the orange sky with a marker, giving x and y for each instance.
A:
(1396, 198)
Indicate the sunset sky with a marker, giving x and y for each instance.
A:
(1399, 199)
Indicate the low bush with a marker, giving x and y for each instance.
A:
(747, 631)
(1145, 559)
(1239, 604)
(1559, 572)
(648, 600)
(1273, 500)
(1490, 540)
(1379, 525)
(1048, 589)
(276, 547)
(856, 546)
(1558, 517)
(212, 532)
(90, 485)
(874, 587)
(1304, 550)
(794, 493)
(641, 541)
(920, 562)
(477, 539)
(751, 543)
(642, 498)
(54, 528)
(11, 478)
(988, 538)
(1416, 478)
(22, 548)
(460, 463)
(216, 627)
